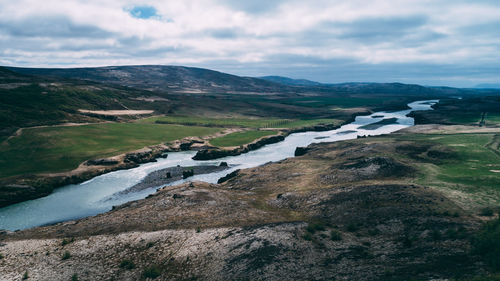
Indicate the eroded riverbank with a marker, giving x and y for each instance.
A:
(101, 193)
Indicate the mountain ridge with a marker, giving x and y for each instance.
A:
(183, 79)
(160, 78)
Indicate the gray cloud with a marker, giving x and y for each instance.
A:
(224, 33)
(490, 29)
(54, 26)
(444, 42)
(350, 70)
(376, 29)
(253, 6)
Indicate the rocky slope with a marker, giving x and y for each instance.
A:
(342, 211)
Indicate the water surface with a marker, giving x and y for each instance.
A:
(99, 194)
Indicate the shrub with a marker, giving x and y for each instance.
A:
(335, 235)
(487, 244)
(436, 235)
(307, 236)
(487, 212)
(351, 227)
(25, 275)
(66, 241)
(127, 264)
(74, 277)
(407, 241)
(451, 233)
(1, 256)
(313, 227)
(66, 255)
(152, 272)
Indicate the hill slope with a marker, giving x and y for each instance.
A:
(343, 211)
(162, 78)
(290, 81)
(181, 79)
(32, 101)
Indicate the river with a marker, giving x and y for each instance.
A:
(101, 193)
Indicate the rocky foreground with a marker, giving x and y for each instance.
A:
(343, 211)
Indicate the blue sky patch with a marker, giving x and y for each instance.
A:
(143, 12)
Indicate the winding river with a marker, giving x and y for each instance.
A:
(99, 194)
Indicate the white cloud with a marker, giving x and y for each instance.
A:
(225, 33)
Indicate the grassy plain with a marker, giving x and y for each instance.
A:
(240, 138)
(465, 166)
(55, 149)
(238, 122)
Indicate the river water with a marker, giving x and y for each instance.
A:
(99, 194)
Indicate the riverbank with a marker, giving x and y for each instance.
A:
(355, 209)
(172, 174)
(28, 187)
(93, 197)
(19, 189)
(215, 153)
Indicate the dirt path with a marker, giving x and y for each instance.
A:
(20, 130)
(116, 112)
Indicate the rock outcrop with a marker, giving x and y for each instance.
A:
(299, 151)
(228, 176)
(210, 154)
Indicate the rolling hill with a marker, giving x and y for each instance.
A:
(162, 78)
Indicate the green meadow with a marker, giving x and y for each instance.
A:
(240, 138)
(56, 149)
(470, 168)
(238, 122)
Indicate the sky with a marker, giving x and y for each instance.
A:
(438, 42)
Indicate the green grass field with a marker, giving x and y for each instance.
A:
(237, 122)
(240, 138)
(471, 170)
(55, 149)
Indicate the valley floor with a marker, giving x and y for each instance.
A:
(365, 209)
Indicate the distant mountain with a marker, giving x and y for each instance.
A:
(181, 79)
(367, 87)
(8, 76)
(162, 78)
(290, 81)
(488, 86)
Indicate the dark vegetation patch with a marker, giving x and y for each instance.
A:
(367, 168)
(127, 264)
(152, 271)
(471, 110)
(257, 258)
(487, 244)
(428, 152)
(67, 241)
(66, 255)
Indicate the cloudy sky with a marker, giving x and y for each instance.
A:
(435, 42)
